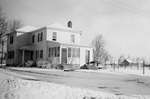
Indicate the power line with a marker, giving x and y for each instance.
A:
(128, 5)
(123, 8)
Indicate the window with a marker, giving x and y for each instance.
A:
(33, 37)
(69, 52)
(73, 52)
(72, 38)
(11, 39)
(37, 54)
(50, 52)
(54, 52)
(11, 55)
(77, 52)
(40, 36)
(41, 54)
(58, 48)
(54, 38)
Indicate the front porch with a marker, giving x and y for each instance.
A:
(26, 54)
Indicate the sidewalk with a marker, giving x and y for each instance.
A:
(133, 71)
(120, 71)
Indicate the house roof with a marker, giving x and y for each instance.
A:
(129, 60)
(55, 26)
(26, 29)
(61, 27)
(77, 45)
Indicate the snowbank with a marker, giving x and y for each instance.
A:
(16, 88)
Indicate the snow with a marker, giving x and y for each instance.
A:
(59, 26)
(121, 71)
(14, 86)
(27, 29)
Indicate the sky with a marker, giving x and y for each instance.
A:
(124, 24)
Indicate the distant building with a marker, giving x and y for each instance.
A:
(124, 63)
(55, 40)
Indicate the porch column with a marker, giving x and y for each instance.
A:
(22, 57)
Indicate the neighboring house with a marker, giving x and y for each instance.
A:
(55, 40)
(128, 62)
(125, 63)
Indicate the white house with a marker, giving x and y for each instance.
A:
(55, 40)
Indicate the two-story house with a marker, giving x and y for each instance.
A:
(55, 40)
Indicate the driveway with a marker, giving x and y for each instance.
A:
(119, 84)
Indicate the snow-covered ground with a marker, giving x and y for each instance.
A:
(121, 71)
(14, 86)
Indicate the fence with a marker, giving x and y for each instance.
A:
(139, 66)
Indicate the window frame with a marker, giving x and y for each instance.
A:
(11, 39)
(38, 37)
(54, 36)
(33, 38)
(41, 36)
(72, 38)
(11, 55)
(41, 54)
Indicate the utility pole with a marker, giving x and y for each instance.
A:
(143, 67)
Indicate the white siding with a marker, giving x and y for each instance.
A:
(82, 54)
(41, 45)
(63, 37)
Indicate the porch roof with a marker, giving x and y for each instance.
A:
(30, 48)
(77, 45)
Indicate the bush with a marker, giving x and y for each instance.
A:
(59, 66)
(54, 61)
(29, 63)
(43, 64)
(39, 63)
(46, 64)
(84, 67)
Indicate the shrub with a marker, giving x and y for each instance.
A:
(46, 64)
(43, 64)
(54, 61)
(39, 63)
(29, 63)
(59, 66)
(84, 67)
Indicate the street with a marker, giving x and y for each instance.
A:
(119, 84)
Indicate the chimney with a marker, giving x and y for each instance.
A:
(70, 24)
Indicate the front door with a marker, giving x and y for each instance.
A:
(87, 56)
(64, 56)
(31, 55)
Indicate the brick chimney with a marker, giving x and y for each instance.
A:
(70, 24)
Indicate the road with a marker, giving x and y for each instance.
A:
(112, 83)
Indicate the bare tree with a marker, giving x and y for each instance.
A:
(6, 27)
(3, 24)
(3, 31)
(14, 24)
(100, 52)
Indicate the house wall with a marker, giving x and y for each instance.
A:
(39, 45)
(22, 40)
(71, 60)
(51, 44)
(83, 54)
(63, 36)
(11, 47)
